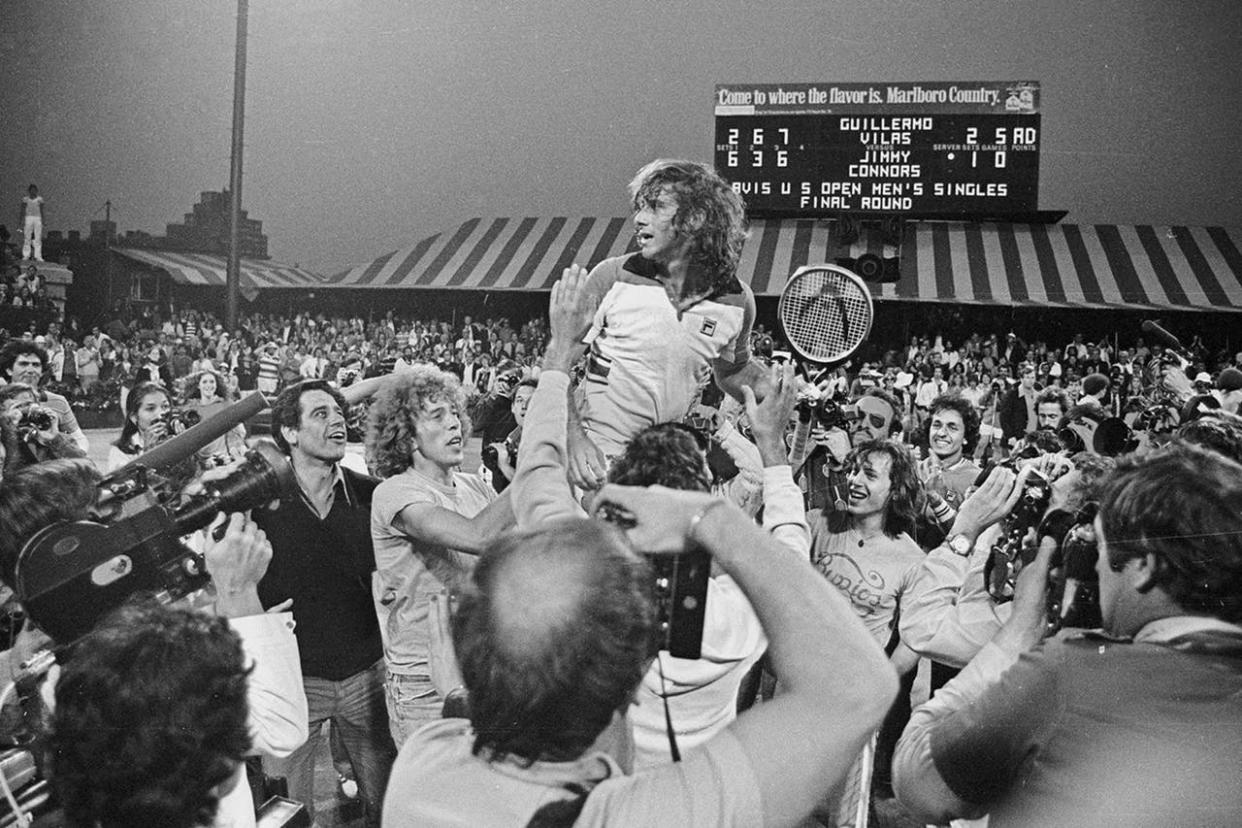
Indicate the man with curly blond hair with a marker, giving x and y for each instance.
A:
(429, 522)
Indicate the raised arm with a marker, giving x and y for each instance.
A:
(541, 490)
(837, 680)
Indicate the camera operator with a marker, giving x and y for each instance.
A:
(701, 694)
(949, 614)
(501, 457)
(35, 426)
(26, 362)
(876, 415)
(1135, 727)
(275, 710)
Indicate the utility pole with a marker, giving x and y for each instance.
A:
(233, 272)
(108, 255)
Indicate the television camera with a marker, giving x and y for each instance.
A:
(70, 574)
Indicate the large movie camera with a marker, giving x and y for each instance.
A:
(1073, 584)
(679, 589)
(70, 574)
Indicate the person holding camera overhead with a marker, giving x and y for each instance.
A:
(1137, 725)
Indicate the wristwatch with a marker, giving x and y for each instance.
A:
(959, 544)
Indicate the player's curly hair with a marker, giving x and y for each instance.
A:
(394, 410)
(150, 719)
(666, 454)
(709, 213)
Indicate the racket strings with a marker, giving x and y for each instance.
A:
(826, 314)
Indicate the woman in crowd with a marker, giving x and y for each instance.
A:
(208, 394)
(145, 424)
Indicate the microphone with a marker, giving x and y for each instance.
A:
(1167, 339)
(183, 446)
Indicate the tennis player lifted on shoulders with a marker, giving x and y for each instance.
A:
(667, 317)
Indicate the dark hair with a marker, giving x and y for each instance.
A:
(150, 718)
(1053, 394)
(19, 347)
(13, 389)
(1217, 430)
(899, 410)
(133, 402)
(1182, 505)
(543, 684)
(39, 495)
(287, 408)
(966, 410)
(906, 493)
(666, 454)
(709, 214)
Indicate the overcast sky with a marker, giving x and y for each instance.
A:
(373, 123)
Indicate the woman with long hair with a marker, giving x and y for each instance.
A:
(207, 393)
(145, 424)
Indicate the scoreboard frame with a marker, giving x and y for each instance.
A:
(913, 150)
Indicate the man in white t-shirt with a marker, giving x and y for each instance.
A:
(428, 523)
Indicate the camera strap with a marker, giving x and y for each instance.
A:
(668, 716)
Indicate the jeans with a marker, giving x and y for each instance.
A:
(356, 711)
(412, 702)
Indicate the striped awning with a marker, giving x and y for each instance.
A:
(1058, 265)
(208, 270)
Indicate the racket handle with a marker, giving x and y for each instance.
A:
(801, 440)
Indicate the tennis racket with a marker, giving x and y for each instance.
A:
(826, 312)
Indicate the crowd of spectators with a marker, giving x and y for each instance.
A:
(889, 452)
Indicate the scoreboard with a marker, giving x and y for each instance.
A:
(926, 149)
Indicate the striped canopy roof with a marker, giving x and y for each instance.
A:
(1106, 266)
(209, 270)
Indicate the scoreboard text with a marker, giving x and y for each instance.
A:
(925, 149)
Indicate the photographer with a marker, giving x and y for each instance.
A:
(1137, 727)
(949, 614)
(876, 415)
(553, 634)
(275, 711)
(500, 457)
(26, 362)
(35, 427)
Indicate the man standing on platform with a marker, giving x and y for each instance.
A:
(322, 559)
(30, 219)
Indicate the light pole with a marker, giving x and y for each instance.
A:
(232, 277)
